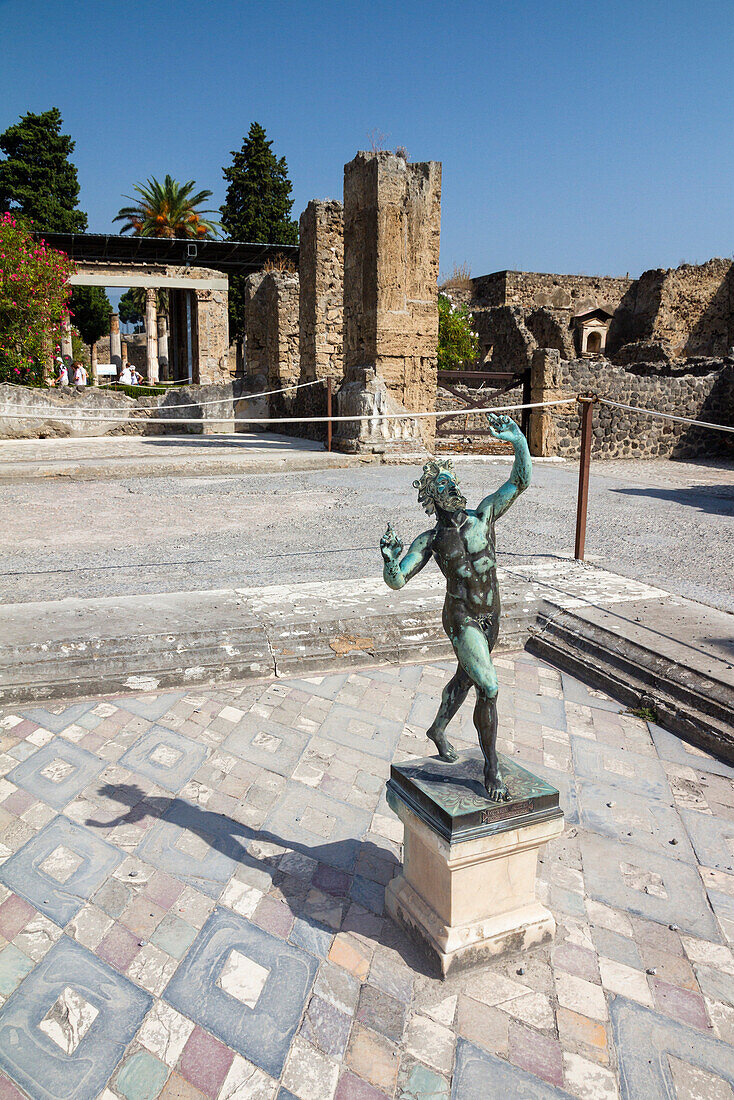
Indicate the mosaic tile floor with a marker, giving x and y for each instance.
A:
(192, 887)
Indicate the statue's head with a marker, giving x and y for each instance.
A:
(438, 486)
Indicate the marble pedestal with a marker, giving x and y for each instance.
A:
(467, 888)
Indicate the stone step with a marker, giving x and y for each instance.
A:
(686, 700)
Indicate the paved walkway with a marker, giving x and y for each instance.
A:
(192, 902)
(127, 456)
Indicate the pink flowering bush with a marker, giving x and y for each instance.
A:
(34, 302)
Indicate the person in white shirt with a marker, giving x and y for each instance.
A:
(80, 374)
(62, 376)
(125, 377)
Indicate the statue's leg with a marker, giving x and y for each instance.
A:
(452, 697)
(472, 649)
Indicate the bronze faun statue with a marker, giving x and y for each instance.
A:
(462, 543)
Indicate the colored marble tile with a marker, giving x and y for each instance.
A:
(164, 756)
(141, 1077)
(326, 1027)
(60, 900)
(685, 903)
(645, 1040)
(479, 1075)
(371, 734)
(641, 775)
(673, 748)
(151, 707)
(311, 938)
(14, 915)
(263, 1032)
(14, 966)
(296, 810)
(267, 743)
(34, 1058)
(712, 838)
(625, 816)
(57, 772)
(205, 1062)
(118, 947)
(209, 862)
(174, 936)
(58, 718)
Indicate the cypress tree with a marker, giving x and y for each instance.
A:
(257, 207)
(37, 179)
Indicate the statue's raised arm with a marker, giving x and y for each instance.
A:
(497, 503)
(395, 572)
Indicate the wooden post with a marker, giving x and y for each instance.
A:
(328, 413)
(587, 420)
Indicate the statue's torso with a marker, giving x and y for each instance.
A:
(466, 557)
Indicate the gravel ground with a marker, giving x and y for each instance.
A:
(667, 523)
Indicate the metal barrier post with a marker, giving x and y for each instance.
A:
(328, 413)
(587, 420)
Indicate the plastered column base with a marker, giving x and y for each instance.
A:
(467, 888)
(460, 947)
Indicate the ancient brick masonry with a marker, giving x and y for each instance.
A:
(699, 389)
(320, 268)
(392, 213)
(271, 327)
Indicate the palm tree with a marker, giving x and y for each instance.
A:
(167, 210)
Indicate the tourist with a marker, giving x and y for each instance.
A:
(80, 374)
(135, 377)
(62, 372)
(125, 377)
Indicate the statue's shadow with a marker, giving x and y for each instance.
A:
(334, 893)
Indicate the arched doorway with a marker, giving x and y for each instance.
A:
(593, 343)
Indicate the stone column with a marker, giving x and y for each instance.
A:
(115, 341)
(163, 344)
(392, 218)
(66, 345)
(151, 334)
(93, 364)
(321, 291)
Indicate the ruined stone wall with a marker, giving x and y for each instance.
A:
(392, 219)
(65, 411)
(531, 289)
(683, 311)
(700, 389)
(321, 295)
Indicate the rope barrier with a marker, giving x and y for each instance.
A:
(45, 415)
(218, 401)
(667, 416)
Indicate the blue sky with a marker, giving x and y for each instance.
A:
(575, 137)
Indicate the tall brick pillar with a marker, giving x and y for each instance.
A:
(271, 327)
(212, 327)
(545, 385)
(321, 292)
(392, 222)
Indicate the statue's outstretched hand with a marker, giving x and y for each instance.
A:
(391, 546)
(503, 427)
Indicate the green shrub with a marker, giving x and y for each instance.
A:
(458, 343)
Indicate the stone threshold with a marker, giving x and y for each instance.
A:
(611, 632)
